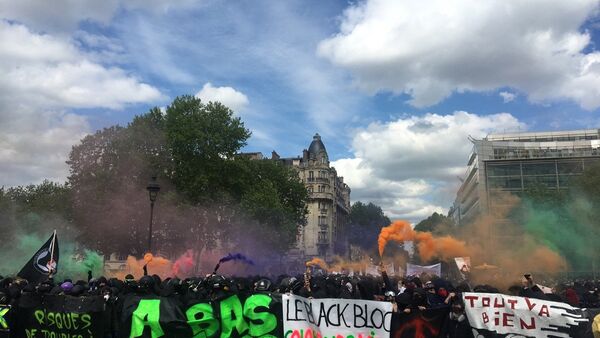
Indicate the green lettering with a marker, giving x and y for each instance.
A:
(202, 320)
(75, 317)
(147, 313)
(232, 316)
(3, 323)
(39, 315)
(261, 322)
(68, 321)
(87, 320)
(59, 320)
(30, 333)
(50, 317)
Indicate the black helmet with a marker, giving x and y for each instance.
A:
(263, 285)
(147, 282)
(217, 282)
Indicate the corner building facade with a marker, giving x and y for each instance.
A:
(328, 206)
(512, 163)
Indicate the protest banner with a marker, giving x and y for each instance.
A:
(498, 315)
(419, 324)
(415, 270)
(58, 316)
(5, 322)
(256, 315)
(304, 317)
(464, 265)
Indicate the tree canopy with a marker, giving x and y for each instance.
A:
(207, 191)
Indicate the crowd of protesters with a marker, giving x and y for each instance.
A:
(407, 294)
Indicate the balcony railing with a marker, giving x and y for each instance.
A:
(318, 179)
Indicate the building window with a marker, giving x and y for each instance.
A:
(547, 168)
(504, 170)
(322, 220)
(311, 175)
(321, 188)
(570, 167)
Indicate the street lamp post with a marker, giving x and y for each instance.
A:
(153, 189)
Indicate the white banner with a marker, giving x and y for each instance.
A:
(415, 270)
(335, 317)
(463, 264)
(503, 314)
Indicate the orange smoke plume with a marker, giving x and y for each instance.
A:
(429, 246)
(318, 262)
(155, 264)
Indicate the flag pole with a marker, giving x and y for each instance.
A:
(52, 252)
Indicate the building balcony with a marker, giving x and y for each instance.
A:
(318, 179)
(321, 195)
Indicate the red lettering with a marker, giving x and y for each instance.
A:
(524, 324)
(496, 304)
(472, 300)
(485, 317)
(512, 303)
(485, 301)
(530, 305)
(507, 319)
(544, 311)
(308, 333)
(296, 334)
(497, 318)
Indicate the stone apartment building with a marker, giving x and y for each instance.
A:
(328, 206)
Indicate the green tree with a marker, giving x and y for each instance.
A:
(436, 223)
(35, 209)
(207, 192)
(203, 139)
(366, 221)
(275, 198)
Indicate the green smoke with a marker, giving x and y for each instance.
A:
(564, 224)
(73, 263)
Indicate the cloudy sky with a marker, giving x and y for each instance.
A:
(394, 87)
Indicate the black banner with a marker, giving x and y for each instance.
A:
(54, 316)
(237, 315)
(254, 315)
(419, 324)
(5, 321)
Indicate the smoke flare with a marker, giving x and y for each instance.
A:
(184, 265)
(236, 257)
(428, 245)
(318, 262)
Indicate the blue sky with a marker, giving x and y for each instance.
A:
(393, 87)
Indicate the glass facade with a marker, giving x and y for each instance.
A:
(520, 175)
(516, 162)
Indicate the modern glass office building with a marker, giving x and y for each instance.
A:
(514, 162)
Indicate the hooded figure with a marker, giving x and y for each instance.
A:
(457, 325)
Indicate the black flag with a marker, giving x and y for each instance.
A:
(42, 263)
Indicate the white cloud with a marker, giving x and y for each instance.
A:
(43, 76)
(410, 166)
(507, 96)
(48, 70)
(34, 144)
(63, 16)
(430, 49)
(228, 96)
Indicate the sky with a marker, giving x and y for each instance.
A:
(394, 87)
